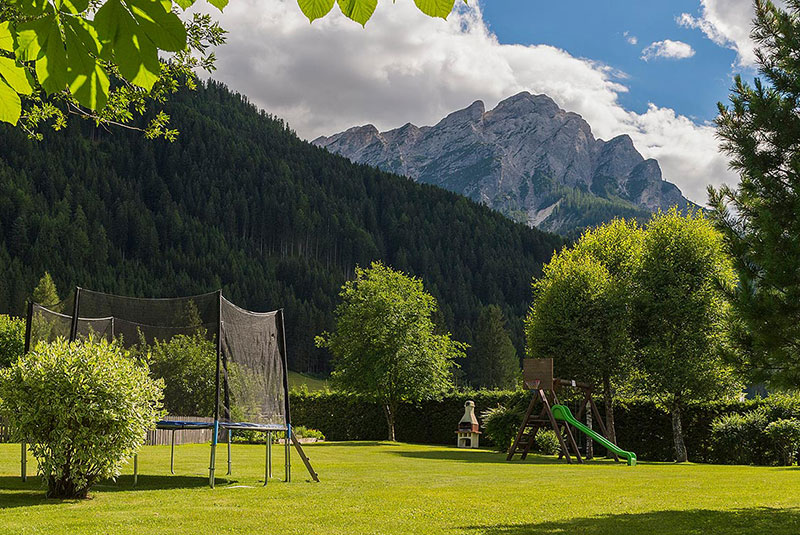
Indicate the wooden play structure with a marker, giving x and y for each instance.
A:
(538, 377)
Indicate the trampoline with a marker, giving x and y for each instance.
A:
(251, 380)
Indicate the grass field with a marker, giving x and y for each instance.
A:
(297, 379)
(401, 488)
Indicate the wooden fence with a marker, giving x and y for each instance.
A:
(163, 437)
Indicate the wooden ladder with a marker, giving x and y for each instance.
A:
(531, 424)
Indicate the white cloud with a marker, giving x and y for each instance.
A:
(667, 49)
(631, 39)
(728, 23)
(405, 67)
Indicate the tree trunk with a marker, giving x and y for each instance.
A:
(389, 412)
(677, 433)
(608, 400)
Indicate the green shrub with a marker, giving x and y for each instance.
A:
(12, 339)
(785, 437)
(260, 437)
(546, 442)
(500, 426)
(740, 438)
(84, 408)
(188, 366)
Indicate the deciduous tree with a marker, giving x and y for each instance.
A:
(384, 345)
(679, 310)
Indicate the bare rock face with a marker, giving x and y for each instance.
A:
(527, 158)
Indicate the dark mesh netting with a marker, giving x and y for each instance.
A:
(251, 362)
(47, 326)
(253, 366)
(140, 319)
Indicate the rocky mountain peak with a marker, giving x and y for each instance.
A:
(527, 157)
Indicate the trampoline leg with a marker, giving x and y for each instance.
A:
(172, 454)
(266, 462)
(135, 469)
(288, 451)
(211, 467)
(269, 453)
(24, 461)
(230, 432)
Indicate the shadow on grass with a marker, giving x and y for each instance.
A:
(31, 492)
(485, 456)
(760, 520)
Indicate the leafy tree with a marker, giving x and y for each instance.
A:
(493, 361)
(384, 345)
(678, 314)
(45, 293)
(12, 339)
(581, 309)
(84, 407)
(760, 218)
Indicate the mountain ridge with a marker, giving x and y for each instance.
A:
(526, 157)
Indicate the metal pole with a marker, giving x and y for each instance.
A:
(135, 469)
(287, 452)
(282, 346)
(266, 461)
(216, 401)
(230, 432)
(28, 327)
(24, 462)
(172, 454)
(73, 333)
(269, 453)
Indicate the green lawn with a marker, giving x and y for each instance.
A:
(403, 488)
(297, 379)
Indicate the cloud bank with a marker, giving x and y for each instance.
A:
(667, 49)
(404, 67)
(727, 23)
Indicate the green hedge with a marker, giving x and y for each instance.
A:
(642, 426)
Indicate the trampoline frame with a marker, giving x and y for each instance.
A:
(216, 425)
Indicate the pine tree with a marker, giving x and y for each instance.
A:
(493, 362)
(45, 293)
(760, 218)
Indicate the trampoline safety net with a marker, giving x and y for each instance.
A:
(251, 382)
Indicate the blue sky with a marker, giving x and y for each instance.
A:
(597, 31)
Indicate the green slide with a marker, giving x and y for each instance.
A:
(562, 412)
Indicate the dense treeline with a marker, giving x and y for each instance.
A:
(239, 201)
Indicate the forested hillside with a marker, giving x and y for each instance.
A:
(238, 201)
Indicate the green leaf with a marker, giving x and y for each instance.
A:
(133, 51)
(315, 9)
(88, 81)
(163, 27)
(185, 4)
(10, 104)
(40, 40)
(15, 76)
(435, 8)
(358, 10)
(219, 4)
(136, 57)
(6, 36)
